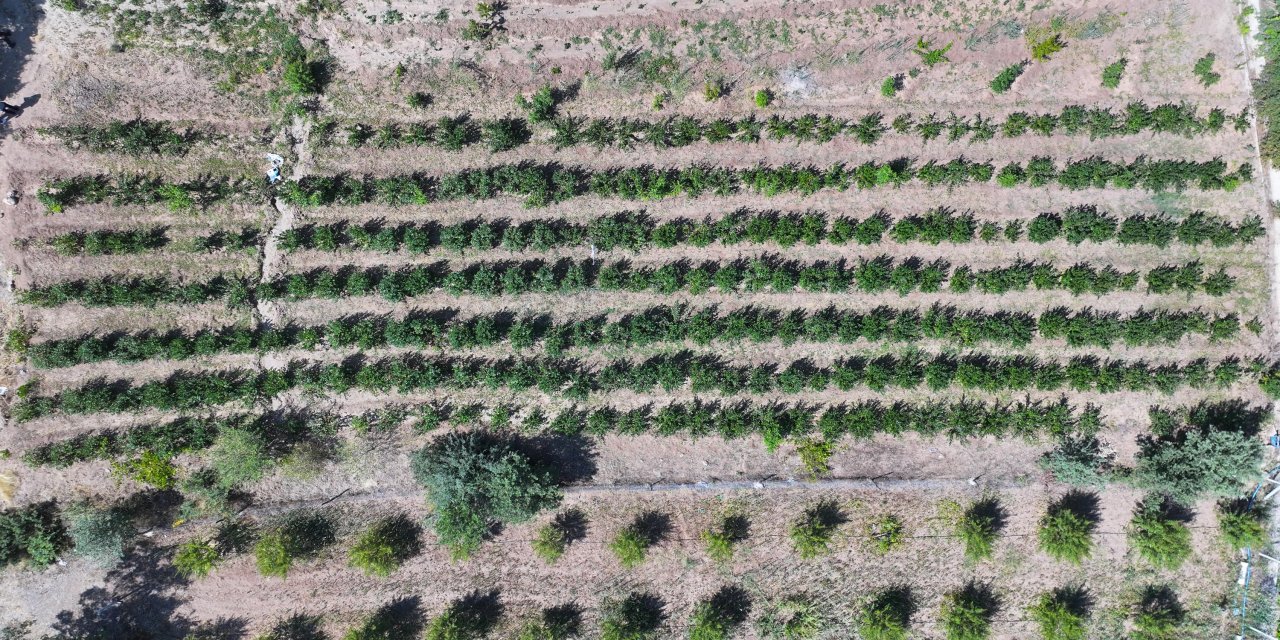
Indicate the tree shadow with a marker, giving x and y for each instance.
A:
(731, 604)
(1082, 503)
(572, 523)
(1075, 597)
(140, 598)
(564, 620)
(472, 615)
(298, 626)
(898, 601)
(988, 508)
(399, 619)
(653, 526)
(570, 458)
(736, 528)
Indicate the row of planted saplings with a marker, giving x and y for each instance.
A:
(1158, 532)
(965, 613)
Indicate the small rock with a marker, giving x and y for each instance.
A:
(11, 199)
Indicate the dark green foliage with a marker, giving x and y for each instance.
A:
(718, 616)
(167, 439)
(1242, 524)
(468, 618)
(1158, 615)
(33, 533)
(134, 137)
(1066, 530)
(1159, 533)
(888, 616)
(140, 291)
(1203, 70)
(396, 620)
(631, 544)
(978, 528)
(1079, 460)
(966, 613)
(541, 107)
(1112, 73)
(299, 535)
(477, 480)
(109, 242)
(555, 623)
(1197, 462)
(811, 534)
(639, 616)
(1061, 614)
(1004, 81)
(385, 545)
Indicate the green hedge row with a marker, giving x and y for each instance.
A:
(132, 137)
(134, 241)
(876, 275)
(166, 439)
(544, 184)
(635, 231)
(144, 189)
(456, 132)
(661, 324)
(702, 374)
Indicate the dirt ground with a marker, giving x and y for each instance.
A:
(104, 63)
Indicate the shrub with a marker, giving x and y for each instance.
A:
(475, 479)
(1242, 527)
(717, 617)
(1079, 460)
(889, 88)
(300, 535)
(100, 535)
(386, 545)
(1112, 73)
(764, 98)
(978, 528)
(1160, 538)
(1204, 70)
(468, 618)
(239, 457)
(931, 55)
(888, 616)
(966, 614)
(541, 107)
(418, 100)
(811, 534)
(713, 90)
(886, 533)
(1004, 81)
(34, 533)
(632, 543)
(793, 618)
(300, 77)
(396, 620)
(196, 558)
(1195, 463)
(722, 539)
(1066, 530)
(815, 455)
(1044, 49)
(638, 616)
(555, 623)
(149, 468)
(1158, 616)
(1060, 614)
(549, 543)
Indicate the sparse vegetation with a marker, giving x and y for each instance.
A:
(811, 534)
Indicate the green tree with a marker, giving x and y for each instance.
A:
(476, 480)
(1066, 529)
(888, 616)
(1160, 538)
(1196, 463)
(1060, 614)
(717, 617)
(385, 545)
(966, 613)
(1240, 526)
(196, 558)
(639, 616)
